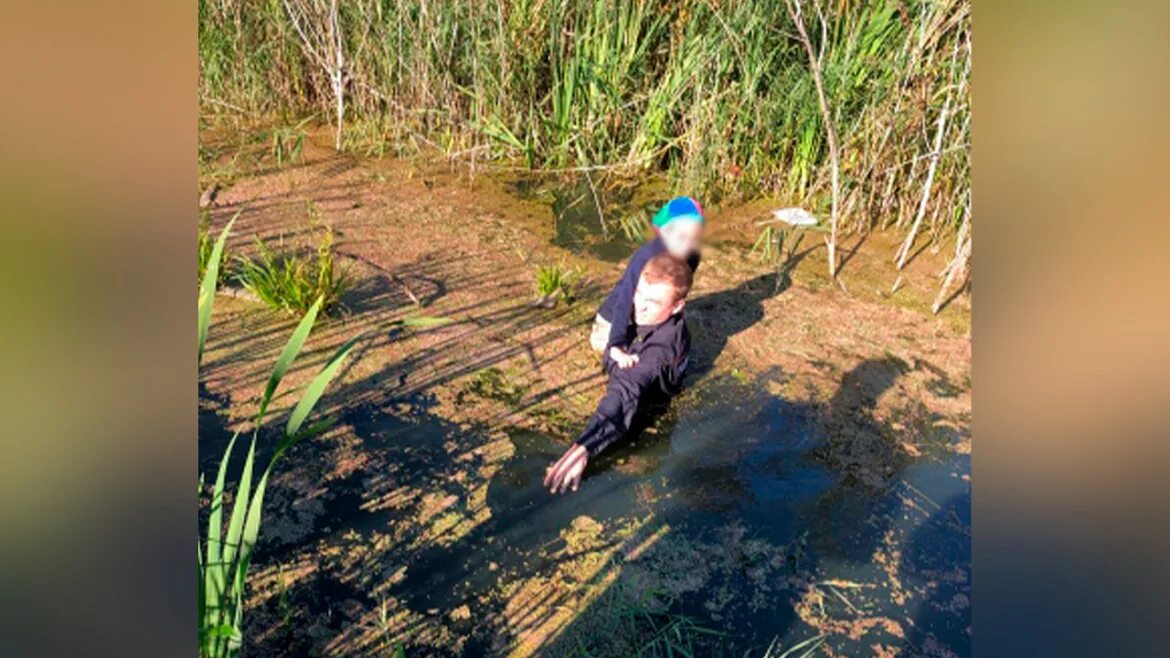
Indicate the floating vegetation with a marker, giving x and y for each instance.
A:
(495, 384)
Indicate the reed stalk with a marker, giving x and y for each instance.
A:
(719, 97)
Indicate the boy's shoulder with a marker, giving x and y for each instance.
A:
(651, 247)
(645, 252)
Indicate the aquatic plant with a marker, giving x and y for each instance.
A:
(289, 141)
(633, 225)
(778, 248)
(207, 250)
(294, 281)
(719, 96)
(806, 648)
(224, 557)
(209, 283)
(495, 384)
(625, 624)
(556, 282)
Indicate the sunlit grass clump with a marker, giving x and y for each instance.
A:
(555, 283)
(288, 142)
(294, 281)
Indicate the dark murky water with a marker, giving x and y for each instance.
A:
(732, 459)
(759, 531)
(735, 475)
(592, 225)
(738, 477)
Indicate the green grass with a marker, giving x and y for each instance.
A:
(800, 650)
(633, 225)
(225, 548)
(780, 248)
(288, 142)
(620, 624)
(207, 251)
(556, 282)
(716, 96)
(294, 281)
(495, 384)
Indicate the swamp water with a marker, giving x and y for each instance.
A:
(592, 220)
(726, 511)
(728, 524)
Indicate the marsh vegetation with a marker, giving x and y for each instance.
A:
(294, 280)
(225, 550)
(819, 430)
(729, 100)
(430, 169)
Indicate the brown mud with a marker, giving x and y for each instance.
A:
(813, 479)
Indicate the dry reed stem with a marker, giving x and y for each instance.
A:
(831, 242)
(940, 130)
(958, 263)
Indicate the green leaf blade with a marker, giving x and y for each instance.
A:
(317, 387)
(288, 355)
(210, 280)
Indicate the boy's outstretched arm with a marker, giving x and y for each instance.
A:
(609, 423)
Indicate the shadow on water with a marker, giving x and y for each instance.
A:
(757, 499)
(740, 470)
(938, 556)
(716, 317)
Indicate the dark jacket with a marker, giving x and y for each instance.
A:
(618, 307)
(662, 358)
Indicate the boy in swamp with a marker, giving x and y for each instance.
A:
(678, 231)
(655, 359)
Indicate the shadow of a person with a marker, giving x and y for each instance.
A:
(865, 460)
(715, 317)
(937, 558)
(780, 471)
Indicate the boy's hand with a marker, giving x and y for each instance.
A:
(622, 359)
(565, 474)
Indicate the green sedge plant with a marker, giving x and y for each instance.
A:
(289, 141)
(294, 282)
(556, 282)
(225, 552)
(207, 247)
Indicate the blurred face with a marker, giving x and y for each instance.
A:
(655, 302)
(682, 237)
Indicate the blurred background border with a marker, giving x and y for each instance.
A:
(1071, 328)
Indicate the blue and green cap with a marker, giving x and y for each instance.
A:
(682, 207)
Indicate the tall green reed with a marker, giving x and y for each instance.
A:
(224, 557)
(716, 95)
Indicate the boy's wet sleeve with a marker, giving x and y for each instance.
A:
(621, 302)
(616, 410)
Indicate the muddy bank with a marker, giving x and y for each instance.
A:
(814, 479)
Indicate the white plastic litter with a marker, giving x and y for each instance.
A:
(795, 216)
